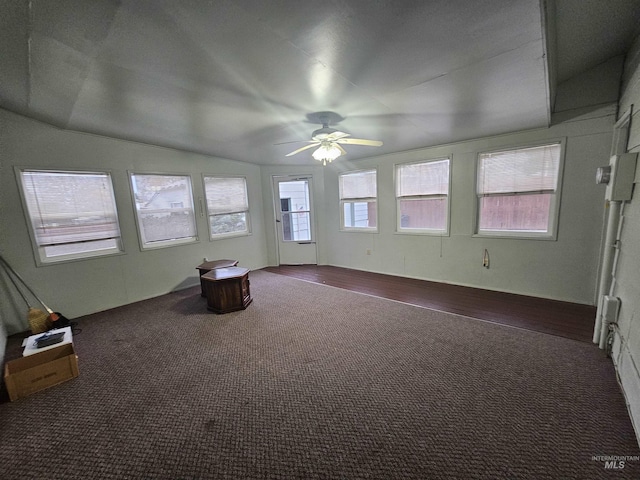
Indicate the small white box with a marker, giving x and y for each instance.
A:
(623, 172)
(30, 343)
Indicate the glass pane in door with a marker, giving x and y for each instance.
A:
(295, 210)
(296, 227)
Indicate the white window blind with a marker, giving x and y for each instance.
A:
(227, 205)
(164, 207)
(523, 170)
(226, 194)
(422, 191)
(358, 192)
(73, 214)
(358, 185)
(418, 179)
(517, 191)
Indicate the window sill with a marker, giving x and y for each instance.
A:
(431, 233)
(517, 235)
(168, 243)
(224, 236)
(45, 262)
(358, 230)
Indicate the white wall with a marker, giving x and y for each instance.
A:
(90, 285)
(626, 347)
(564, 269)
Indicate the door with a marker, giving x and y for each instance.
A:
(294, 221)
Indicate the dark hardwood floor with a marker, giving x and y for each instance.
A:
(570, 320)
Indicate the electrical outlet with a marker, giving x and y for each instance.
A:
(368, 251)
(485, 258)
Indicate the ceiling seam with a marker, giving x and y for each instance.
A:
(29, 33)
(483, 60)
(548, 30)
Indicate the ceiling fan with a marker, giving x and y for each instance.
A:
(330, 140)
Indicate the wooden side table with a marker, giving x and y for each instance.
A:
(227, 289)
(208, 266)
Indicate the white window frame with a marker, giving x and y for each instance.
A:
(40, 251)
(447, 196)
(344, 200)
(152, 245)
(554, 208)
(219, 236)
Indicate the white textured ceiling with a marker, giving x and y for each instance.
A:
(233, 78)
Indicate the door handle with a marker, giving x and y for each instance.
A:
(277, 221)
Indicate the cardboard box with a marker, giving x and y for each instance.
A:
(36, 372)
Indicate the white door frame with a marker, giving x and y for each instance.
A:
(303, 252)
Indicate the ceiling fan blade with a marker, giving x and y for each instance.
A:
(359, 141)
(332, 137)
(314, 144)
(295, 141)
(322, 135)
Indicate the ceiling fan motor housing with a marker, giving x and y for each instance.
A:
(323, 133)
(328, 139)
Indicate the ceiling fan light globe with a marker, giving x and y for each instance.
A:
(326, 153)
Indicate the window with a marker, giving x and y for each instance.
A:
(72, 214)
(517, 191)
(295, 209)
(227, 206)
(422, 191)
(164, 209)
(358, 192)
